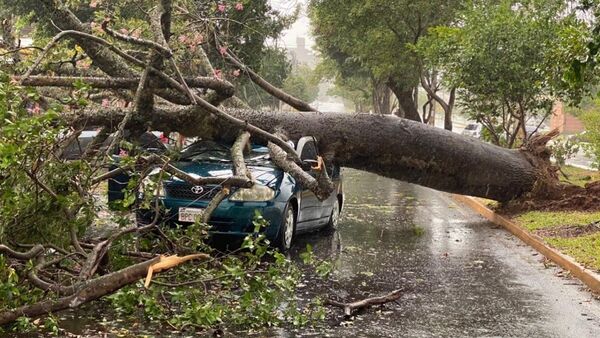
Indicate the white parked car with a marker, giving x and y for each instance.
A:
(473, 130)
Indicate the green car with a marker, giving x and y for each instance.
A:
(287, 206)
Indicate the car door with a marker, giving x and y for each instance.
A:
(310, 206)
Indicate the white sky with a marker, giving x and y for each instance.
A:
(300, 28)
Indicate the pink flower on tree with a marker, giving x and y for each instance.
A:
(191, 40)
(96, 28)
(217, 73)
(236, 73)
(123, 153)
(221, 7)
(239, 6)
(105, 103)
(197, 38)
(223, 50)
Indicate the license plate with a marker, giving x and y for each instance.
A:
(190, 214)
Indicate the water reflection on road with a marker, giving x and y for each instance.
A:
(462, 275)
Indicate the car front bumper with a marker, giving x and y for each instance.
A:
(230, 219)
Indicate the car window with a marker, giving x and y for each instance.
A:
(309, 151)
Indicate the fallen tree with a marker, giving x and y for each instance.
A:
(160, 98)
(385, 145)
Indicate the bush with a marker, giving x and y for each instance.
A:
(592, 136)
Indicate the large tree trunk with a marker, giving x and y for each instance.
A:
(8, 35)
(406, 101)
(381, 98)
(410, 151)
(386, 145)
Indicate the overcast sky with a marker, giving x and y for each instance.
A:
(300, 28)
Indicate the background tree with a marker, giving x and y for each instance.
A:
(302, 83)
(356, 85)
(275, 68)
(347, 29)
(504, 95)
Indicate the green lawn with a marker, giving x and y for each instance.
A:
(535, 220)
(579, 176)
(584, 249)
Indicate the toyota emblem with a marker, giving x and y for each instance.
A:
(197, 189)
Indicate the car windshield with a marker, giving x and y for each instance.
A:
(471, 127)
(209, 151)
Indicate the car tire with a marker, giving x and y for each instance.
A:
(287, 230)
(334, 217)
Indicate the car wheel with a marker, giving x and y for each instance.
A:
(334, 218)
(287, 229)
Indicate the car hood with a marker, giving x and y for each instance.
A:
(265, 175)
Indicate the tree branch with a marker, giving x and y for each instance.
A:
(269, 88)
(23, 256)
(86, 291)
(322, 186)
(237, 155)
(225, 87)
(349, 308)
(214, 204)
(165, 51)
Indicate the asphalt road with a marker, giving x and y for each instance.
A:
(463, 276)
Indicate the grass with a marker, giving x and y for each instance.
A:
(535, 220)
(579, 176)
(584, 249)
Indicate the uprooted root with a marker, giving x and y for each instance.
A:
(548, 192)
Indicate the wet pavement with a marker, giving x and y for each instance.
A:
(463, 276)
(581, 160)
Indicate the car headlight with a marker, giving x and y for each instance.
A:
(258, 193)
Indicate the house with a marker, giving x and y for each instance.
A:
(566, 123)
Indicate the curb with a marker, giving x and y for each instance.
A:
(588, 277)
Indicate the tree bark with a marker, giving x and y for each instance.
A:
(8, 35)
(406, 101)
(381, 97)
(431, 89)
(88, 291)
(448, 112)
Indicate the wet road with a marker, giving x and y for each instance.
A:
(462, 275)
